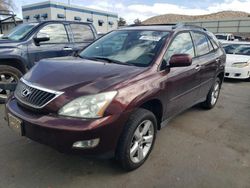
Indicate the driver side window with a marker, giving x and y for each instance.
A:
(56, 32)
(182, 44)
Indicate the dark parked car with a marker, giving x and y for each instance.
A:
(28, 43)
(122, 89)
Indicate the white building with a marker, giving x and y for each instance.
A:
(50, 10)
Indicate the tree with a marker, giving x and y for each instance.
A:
(6, 5)
(121, 22)
(137, 21)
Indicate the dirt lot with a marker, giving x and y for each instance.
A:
(197, 149)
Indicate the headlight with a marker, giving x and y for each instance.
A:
(240, 64)
(92, 106)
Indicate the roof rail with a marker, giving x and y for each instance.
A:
(184, 25)
(174, 26)
(134, 25)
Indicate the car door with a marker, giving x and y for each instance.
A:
(181, 84)
(58, 44)
(208, 59)
(83, 35)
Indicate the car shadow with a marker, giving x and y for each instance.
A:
(76, 165)
(235, 81)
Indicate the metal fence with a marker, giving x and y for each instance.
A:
(239, 26)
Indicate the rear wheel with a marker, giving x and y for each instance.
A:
(213, 95)
(8, 75)
(137, 139)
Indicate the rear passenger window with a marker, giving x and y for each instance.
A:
(214, 44)
(201, 43)
(210, 45)
(82, 33)
(182, 44)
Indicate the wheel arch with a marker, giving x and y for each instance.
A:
(156, 107)
(221, 76)
(16, 63)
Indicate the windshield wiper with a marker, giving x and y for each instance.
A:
(106, 59)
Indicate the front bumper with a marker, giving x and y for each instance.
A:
(60, 132)
(237, 73)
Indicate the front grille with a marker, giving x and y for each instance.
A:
(34, 96)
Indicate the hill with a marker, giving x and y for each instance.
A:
(172, 18)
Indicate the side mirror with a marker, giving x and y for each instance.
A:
(180, 60)
(41, 38)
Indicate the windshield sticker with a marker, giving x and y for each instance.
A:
(151, 38)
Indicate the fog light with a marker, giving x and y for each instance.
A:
(84, 144)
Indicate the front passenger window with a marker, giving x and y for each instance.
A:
(182, 44)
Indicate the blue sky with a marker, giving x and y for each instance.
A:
(132, 9)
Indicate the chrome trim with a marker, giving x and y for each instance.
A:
(35, 86)
(40, 87)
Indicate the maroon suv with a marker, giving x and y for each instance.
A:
(113, 98)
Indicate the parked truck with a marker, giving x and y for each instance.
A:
(28, 43)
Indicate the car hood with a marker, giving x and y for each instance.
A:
(80, 76)
(233, 58)
(5, 43)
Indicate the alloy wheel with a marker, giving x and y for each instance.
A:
(142, 141)
(215, 93)
(6, 78)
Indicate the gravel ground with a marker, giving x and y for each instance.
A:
(198, 148)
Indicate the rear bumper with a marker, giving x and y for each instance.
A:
(237, 73)
(60, 132)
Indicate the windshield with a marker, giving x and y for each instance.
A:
(19, 32)
(135, 47)
(239, 49)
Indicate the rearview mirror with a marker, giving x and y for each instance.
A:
(180, 60)
(42, 37)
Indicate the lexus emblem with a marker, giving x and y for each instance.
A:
(25, 92)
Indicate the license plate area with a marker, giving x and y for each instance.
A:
(15, 124)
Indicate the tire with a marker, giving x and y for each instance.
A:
(128, 142)
(8, 74)
(213, 95)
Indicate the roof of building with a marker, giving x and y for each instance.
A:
(54, 4)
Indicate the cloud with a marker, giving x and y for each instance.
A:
(143, 11)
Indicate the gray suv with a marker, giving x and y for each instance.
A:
(30, 42)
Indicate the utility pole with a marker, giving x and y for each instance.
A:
(68, 2)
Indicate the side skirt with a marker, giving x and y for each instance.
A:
(166, 121)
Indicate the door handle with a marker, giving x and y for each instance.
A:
(197, 67)
(67, 48)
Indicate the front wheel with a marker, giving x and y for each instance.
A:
(213, 95)
(8, 75)
(137, 139)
